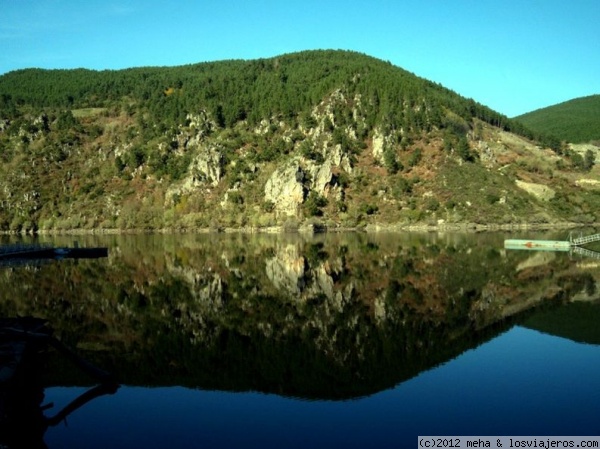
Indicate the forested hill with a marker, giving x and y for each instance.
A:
(576, 121)
(232, 91)
(334, 137)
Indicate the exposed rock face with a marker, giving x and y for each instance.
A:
(285, 188)
(320, 175)
(540, 191)
(200, 126)
(339, 158)
(323, 180)
(207, 166)
(42, 123)
(325, 112)
(324, 116)
(486, 153)
(380, 143)
(201, 123)
(288, 185)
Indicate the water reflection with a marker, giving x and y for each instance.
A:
(331, 317)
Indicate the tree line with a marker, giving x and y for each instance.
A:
(287, 87)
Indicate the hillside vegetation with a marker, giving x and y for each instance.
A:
(328, 138)
(575, 121)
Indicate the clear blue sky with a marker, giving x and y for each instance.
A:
(511, 55)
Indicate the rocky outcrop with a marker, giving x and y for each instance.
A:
(380, 143)
(201, 123)
(42, 123)
(320, 175)
(206, 169)
(323, 181)
(199, 127)
(289, 185)
(285, 188)
(540, 191)
(338, 158)
(207, 166)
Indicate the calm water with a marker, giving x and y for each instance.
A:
(346, 340)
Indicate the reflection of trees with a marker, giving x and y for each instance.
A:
(334, 316)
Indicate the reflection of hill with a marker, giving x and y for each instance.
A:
(292, 367)
(577, 321)
(336, 316)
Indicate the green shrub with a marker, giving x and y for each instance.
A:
(313, 204)
(369, 209)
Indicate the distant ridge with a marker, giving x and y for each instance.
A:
(576, 121)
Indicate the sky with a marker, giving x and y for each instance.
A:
(514, 56)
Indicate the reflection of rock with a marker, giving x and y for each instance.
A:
(290, 272)
(286, 270)
(379, 311)
(323, 285)
(206, 288)
(485, 309)
(538, 259)
(210, 292)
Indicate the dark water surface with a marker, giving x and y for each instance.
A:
(343, 340)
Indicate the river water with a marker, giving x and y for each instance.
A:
(333, 340)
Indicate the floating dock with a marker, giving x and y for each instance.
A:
(552, 245)
(538, 245)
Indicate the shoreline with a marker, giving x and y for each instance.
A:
(314, 228)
